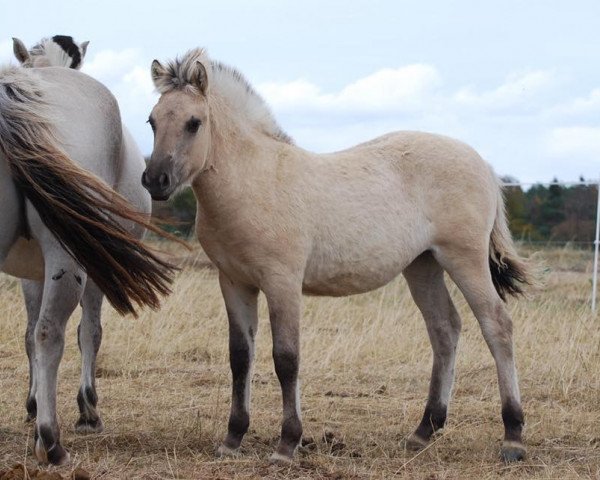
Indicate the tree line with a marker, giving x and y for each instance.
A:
(553, 213)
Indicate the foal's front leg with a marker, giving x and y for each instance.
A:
(241, 305)
(285, 305)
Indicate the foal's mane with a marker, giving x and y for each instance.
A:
(227, 83)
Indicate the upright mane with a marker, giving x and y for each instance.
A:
(59, 51)
(224, 82)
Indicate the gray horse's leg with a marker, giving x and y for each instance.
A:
(285, 305)
(471, 272)
(32, 292)
(425, 279)
(241, 305)
(89, 336)
(63, 287)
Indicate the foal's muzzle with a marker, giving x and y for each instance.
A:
(159, 184)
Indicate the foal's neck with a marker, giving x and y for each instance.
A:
(241, 161)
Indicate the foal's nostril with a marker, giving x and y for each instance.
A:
(145, 179)
(164, 180)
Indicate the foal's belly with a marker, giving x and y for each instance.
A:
(349, 278)
(25, 260)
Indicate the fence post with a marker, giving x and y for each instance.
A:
(596, 246)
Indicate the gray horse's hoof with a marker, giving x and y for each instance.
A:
(225, 452)
(414, 442)
(85, 426)
(280, 459)
(513, 452)
(55, 455)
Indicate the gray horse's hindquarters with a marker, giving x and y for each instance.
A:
(44, 136)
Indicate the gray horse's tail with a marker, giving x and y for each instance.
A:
(509, 271)
(77, 207)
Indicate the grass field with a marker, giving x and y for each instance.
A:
(164, 386)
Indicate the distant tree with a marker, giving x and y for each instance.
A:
(579, 215)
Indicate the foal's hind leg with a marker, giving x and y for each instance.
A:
(469, 268)
(32, 292)
(425, 279)
(241, 305)
(89, 336)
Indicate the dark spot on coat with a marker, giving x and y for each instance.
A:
(59, 275)
(78, 279)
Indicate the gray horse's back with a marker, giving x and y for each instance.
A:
(88, 121)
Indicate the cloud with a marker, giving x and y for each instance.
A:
(514, 93)
(579, 105)
(388, 89)
(111, 65)
(575, 140)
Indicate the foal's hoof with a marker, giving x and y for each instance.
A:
(225, 452)
(55, 455)
(280, 459)
(512, 452)
(414, 442)
(85, 426)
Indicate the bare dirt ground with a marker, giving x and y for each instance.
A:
(163, 382)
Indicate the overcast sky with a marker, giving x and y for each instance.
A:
(518, 80)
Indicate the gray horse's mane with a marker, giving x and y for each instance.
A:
(60, 51)
(226, 82)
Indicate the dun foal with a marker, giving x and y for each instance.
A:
(279, 219)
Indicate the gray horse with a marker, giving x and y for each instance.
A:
(62, 156)
(63, 51)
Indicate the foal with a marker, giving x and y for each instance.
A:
(279, 219)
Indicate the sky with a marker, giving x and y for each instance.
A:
(517, 80)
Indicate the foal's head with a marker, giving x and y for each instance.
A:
(58, 51)
(180, 122)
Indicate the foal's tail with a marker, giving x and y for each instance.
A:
(78, 208)
(509, 271)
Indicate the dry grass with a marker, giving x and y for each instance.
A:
(164, 388)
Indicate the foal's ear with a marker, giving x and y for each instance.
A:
(199, 77)
(158, 73)
(20, 50)
(83, 48)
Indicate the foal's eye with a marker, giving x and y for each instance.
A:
(192, 125)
